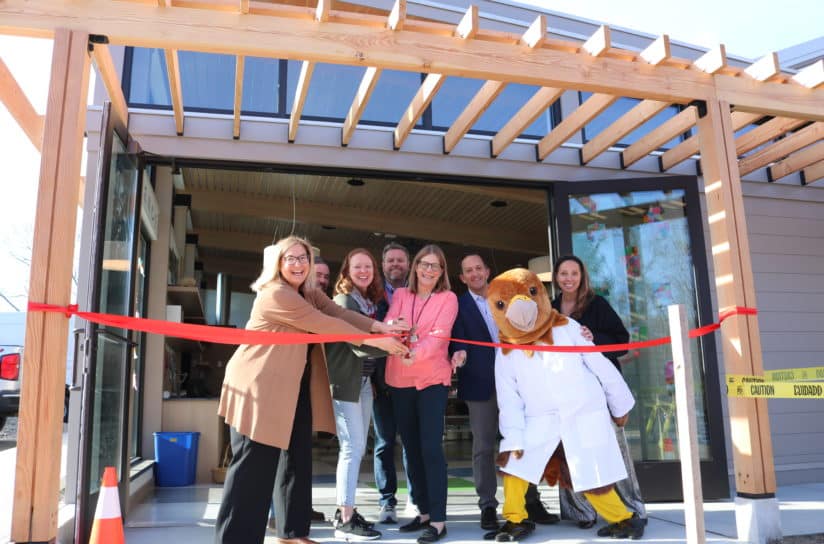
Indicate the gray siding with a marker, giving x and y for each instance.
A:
(787, 248)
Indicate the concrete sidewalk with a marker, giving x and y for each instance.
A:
(188, 514)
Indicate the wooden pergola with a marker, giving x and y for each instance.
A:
(718, 99)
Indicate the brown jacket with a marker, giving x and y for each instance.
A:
(260, 390)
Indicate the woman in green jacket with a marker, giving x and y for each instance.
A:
(359, 288)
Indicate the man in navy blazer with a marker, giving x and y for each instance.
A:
(476, 386)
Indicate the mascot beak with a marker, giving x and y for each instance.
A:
(522, 313)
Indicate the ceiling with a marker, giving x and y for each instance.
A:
(236, 213)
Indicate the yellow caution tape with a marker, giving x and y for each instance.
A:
(784, 375)
(777, 390)
(788, 383)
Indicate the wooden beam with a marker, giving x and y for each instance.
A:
(437, 230)
(361, 41)
(468, 26)
(20, 108)
(735, 287)
(658, 51)
(322, 10)
(532, 38)
(40, 428)
(778, 99)
(397, 16)
(367, 85)
(812, 173)
(638, 115)
(573, 122)
(471, 113)
(811, 76)
(764, 68)
(671, 128)
(240, 62)
(427, 91)
(527, 115)
(713, 60)
(306, 70)
(797, 161)
(689, 147)
(599, 43)
(175, 90)
(535, 35)
(111, 80)
(765, 132)
(780, 149)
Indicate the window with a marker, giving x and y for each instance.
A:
(331, 90)
(147, 82)
(619, 108)
(512, 99)
(261, 85)
(207, 81)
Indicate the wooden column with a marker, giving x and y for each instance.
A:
(740, 337)
(37, 475)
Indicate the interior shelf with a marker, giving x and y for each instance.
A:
(189, 299)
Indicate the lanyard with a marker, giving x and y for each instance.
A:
(414, 336)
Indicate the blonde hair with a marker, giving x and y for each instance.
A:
(443, 282)
(272, 257)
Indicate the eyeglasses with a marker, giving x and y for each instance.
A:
(291, 259)
(423, 265)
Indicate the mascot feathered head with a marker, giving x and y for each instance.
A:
(521, 308)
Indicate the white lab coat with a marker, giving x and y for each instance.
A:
(562, 397)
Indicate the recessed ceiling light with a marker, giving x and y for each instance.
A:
(498, 203)
(355, 182)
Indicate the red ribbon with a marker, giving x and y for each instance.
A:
(223, 335)
(202, 333)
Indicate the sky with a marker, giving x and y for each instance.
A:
(748, 28)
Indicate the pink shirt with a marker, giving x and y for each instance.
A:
(430, 364)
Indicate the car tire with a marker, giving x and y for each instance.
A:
(2, 423)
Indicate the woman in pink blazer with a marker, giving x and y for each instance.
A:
(419, 385)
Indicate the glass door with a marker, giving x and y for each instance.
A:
(642, 243)
(109, 351)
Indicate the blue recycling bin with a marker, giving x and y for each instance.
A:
(175, 458)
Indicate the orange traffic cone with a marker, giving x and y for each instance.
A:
(108, 525)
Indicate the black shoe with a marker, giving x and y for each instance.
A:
(587, 523)
(431, 534)
(356, 529)
(536, 513)
(317, 516)
(489, 519)
(513, 532)
(414, 525)
(629, 528)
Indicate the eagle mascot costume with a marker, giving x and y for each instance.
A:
(555, 409)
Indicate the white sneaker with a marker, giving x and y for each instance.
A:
(387, 514)
(411, 509)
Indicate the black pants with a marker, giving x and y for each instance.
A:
(256, 469)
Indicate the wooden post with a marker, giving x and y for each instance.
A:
(740, 337)
(687, 426)
(37, 475)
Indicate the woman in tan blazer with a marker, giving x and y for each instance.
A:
(274, 396)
